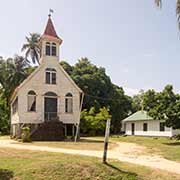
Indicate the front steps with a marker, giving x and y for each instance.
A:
(49, 131)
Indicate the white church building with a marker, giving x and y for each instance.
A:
(47, 96)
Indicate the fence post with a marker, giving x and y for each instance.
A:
(106, 140)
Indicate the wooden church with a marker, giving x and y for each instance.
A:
(48, 101)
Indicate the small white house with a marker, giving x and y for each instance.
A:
(141, 124)
(47, 95)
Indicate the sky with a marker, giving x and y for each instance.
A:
(137, 43)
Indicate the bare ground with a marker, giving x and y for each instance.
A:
(127, 152)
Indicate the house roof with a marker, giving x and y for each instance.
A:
(138, 116)
(50, 30)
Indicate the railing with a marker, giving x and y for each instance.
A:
(51, 116)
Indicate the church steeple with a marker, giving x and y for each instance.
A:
(50, 42)
(50, 30)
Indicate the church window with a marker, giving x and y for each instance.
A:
(69, 103)
(50, 76)
(50, 49)
(31, 101)
(53, 49)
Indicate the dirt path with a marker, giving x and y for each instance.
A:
(127, 152)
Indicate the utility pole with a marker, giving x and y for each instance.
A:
(106, 140)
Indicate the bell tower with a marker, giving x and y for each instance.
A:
(50, 43)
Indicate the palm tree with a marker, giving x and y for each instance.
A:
(32, 47)
(12, 73)
(159, 4)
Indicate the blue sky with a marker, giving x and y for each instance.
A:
(138, 44)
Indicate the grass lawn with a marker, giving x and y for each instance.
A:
(27, 165)
(169, 149)
(85, 144)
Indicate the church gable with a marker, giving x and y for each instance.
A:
(50, 77)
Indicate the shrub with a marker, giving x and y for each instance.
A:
(26, 134)
(176, 137)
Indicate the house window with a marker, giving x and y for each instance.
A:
(50, 49)
(50, 76)
(31, 101)
(69, 103)
(162, 126)
(15, 106)
(145, 127)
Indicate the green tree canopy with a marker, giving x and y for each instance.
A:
(164, 105)
(94, 122)
(99, 90)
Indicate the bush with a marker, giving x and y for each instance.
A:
(94, 122)
(176, 137)
(26, 134)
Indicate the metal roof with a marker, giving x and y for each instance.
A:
(138, 116)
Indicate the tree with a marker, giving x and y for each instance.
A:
(120, 107)
(94, 122)
(67, 67)
(137, 101)
(99, 90)
(4, 116)
(94, 82)
(32, 47)
(12, 73)
(159, 4)
(163, 105)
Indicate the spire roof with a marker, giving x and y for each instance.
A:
(50, 30)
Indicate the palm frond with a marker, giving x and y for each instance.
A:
(178, 12)
(158, 3)
(25, 46)
(32, 47)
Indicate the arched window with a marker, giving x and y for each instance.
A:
(69, 103)
(50, 76)
(51, 94)
(50, 49)
(31, 101)
(53, 49)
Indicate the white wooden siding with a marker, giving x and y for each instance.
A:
(153, 129)
(38, 85)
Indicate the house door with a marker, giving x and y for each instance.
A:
(50, 107)
(132, 128)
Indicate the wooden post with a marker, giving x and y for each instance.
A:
(65, 130)
(106, 140)
(79, 116)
